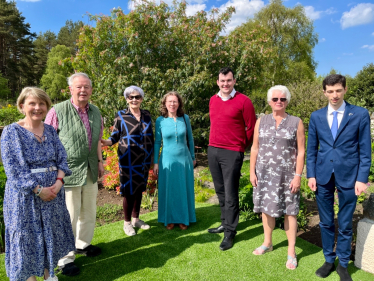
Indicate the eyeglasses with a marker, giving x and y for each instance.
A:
(281, 99)
(138, 97)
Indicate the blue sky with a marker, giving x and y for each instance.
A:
(345, 27)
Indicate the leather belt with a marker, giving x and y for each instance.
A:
(44, 170)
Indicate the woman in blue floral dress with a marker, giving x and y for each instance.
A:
(38, 231)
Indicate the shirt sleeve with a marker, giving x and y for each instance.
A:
(51, 118)
(158, 137)
(190, 137)
(116, 132)
(16, 168)
(249, 116)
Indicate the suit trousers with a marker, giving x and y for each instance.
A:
(347, 206)
(81, 204)
(225, 166)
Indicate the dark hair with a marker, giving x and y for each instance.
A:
(225, 71)
(334, 79)
(164, 110)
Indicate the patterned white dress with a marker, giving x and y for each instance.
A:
(276, 167)
(37, 233)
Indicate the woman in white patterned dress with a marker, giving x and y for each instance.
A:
(277, 161)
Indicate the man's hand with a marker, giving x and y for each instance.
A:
(312, 184)
(360, 187)
(101, 169)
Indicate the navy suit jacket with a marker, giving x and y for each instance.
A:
(349, 155)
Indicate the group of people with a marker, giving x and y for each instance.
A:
(53, 167)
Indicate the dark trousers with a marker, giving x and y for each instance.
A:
(225, 166)
(347, 205)
(131, 205)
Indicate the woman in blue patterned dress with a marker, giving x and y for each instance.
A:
(176, 198)
(38, 231)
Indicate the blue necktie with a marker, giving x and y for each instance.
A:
(334, 126)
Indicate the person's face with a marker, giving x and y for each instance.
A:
(335, 95)
(172, 104)
(81, 90)
(134, 100)
(226, 83)
(34, 108)
(278, 101)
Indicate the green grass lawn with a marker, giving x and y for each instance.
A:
(159, 254)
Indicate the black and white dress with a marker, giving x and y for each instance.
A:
(276, 167)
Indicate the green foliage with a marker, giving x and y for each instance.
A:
(160, 49)
(306, 97)
(361, 88)
(371, 174)
(202, 193)
(69, 34)
(306, 191)
(54, 80)
(9, 114)
(4, 90)
(2, 190)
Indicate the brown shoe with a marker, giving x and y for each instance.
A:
(183, 226)
(170, 226)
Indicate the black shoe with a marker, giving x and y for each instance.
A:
(325, 270)
(89, 251)
(219, 229)
(226, 243)
(69, 269)
(343, 273)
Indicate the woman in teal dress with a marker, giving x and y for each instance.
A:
(174, 167)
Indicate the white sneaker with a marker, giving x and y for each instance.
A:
(128, 229)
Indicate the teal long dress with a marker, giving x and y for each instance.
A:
(176, 199)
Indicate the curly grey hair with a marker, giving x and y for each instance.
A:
(131, 89)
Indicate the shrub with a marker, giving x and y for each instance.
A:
(9, 114)
(202, 193)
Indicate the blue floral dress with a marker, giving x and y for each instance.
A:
(37, 233)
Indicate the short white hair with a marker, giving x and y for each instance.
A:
(75, 75)
(131, 89)
(281, 88)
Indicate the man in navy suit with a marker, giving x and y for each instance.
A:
(338, 155)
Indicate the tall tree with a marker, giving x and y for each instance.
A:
(292, 39)
(54, 80)
(16, 47)
(4, 90)
(69, 34)
(43, 45)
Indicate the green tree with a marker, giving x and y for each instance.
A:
(16, 47)
(160, 49)
(361, 88)
(54, 80)
(43, 45)
(292, 39)
(69, 34)
(4, 90)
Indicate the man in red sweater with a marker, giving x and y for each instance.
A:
(232, 121)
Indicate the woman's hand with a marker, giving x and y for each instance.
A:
(106, 142)
(253, 179)
(295, 184)
(47, 194)
(57, 186)
(155, 169)
(194, 163)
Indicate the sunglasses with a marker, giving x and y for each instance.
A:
(138, 97)
(281, 99)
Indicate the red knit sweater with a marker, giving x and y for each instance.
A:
(232, 122)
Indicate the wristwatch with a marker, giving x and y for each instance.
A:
(61, 179)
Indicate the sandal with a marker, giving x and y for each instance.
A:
(262, 250)
(291, 262)
(128, 229)
(170, 226)
(141, 224)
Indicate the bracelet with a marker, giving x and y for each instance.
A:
(100, 160)
(298, 175)
(61, 179)
(40, 188)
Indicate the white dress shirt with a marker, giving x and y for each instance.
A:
(232, 94)
(330, 114)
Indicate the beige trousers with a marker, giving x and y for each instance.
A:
(81, 204)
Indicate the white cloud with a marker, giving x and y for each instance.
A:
(244, 9)
(315, 15)
(193, 9)
(360, 14)
(370, 47)
(322, 40)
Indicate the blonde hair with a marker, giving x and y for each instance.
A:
(163, 109)
(32, 92)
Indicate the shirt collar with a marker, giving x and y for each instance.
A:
(232, 94)
(78, 108)
(341, 109)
